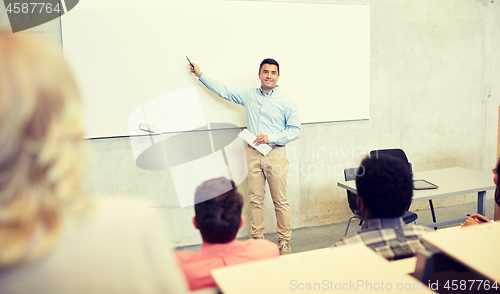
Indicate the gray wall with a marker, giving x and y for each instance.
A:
(50, 30)
(434, 92)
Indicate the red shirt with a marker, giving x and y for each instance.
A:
(197, 265)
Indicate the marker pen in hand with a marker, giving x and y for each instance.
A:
(190, 64)
(479, 218)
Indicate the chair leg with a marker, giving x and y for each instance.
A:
(348, 224)
(432, 212)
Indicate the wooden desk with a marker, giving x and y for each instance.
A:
(306, 254)
(350, 268)
(476, 247)
(452, 182)
(406, 265)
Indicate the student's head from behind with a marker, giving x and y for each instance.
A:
(41, 145)
(218, 211)
(269, 73)
(385, 187)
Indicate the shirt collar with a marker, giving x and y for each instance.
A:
(270, 92)
(207, 245)
(383, 223)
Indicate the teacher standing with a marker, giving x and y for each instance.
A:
(274, 118)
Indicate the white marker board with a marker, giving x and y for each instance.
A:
(125, 53)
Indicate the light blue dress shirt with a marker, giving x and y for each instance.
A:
(275, 114)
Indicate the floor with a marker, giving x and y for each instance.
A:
(305, 239)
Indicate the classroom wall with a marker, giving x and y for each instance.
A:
(434, 93)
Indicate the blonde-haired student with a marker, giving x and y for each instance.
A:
(54, 238)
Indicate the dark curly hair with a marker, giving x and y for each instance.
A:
(218, 210)
(269, 61)
(386, 186)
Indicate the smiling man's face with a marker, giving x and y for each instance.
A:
(268, 76)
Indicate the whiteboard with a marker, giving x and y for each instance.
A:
(125, 53)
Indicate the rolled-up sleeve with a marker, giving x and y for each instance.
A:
(292, 129)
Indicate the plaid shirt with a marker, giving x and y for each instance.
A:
(381, 234)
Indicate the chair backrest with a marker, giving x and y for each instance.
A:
(349, 175)
(398, 153)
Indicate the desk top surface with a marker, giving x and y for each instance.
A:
(477, 247)
(451, 181)
(350, 268)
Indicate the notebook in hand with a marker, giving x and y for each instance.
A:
(248, 137)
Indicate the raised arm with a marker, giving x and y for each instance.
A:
(233, 95)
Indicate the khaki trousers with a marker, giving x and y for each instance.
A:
(274, 168)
